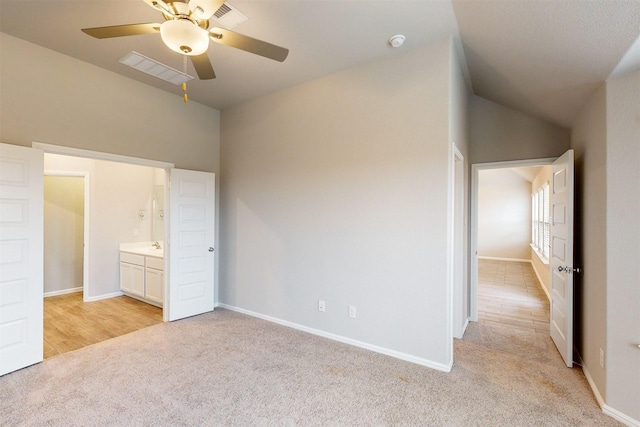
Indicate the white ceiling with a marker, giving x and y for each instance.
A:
(544, 58)
(529, 173)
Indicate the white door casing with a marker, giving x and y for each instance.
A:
(460, 284)
(473, 226)
(191, 257)
(21, 257)
(561, 255)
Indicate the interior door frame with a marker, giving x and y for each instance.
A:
(86, 218)
(458, 231)
(473, 231)
(97, 155)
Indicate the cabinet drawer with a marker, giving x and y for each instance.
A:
(157, 263)
(132, 258)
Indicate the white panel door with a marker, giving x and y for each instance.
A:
(21, 256)
(561, 255)
(191, 256)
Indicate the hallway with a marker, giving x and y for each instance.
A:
(510, 296)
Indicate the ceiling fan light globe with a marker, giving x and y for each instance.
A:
(183, 36)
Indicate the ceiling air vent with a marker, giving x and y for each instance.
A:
(155, 68)
(228, 16)
(222, 11)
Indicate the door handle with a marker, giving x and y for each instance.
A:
(568, 270)
(210, 249)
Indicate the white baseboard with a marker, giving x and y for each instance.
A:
(544, 288)
(504, 259)
(623, 418)
(464, 327)
(592, 384)
(388, 352)
(62, 292)
(606, 409)
(103, 296)
(617, 415)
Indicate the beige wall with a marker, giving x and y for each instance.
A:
(337, 190)
(499, 133)
(504, 214)
(63, 233)
(623, 245)
(589, 142)
(605, 140)
(52, 98)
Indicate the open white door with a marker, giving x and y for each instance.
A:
(191, 230)
(561, 262)
(21, 257)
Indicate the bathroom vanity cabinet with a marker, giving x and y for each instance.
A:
(154, 279)
(142, 277)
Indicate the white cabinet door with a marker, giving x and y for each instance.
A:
(125, 277)
(191, 232)
(154, 289)
(137, 280)
(132, 278)
(21, 257)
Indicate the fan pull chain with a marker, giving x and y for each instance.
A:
(184, 84)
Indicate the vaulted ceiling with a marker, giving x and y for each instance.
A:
(545, 58)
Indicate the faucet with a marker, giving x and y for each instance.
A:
(156, 245)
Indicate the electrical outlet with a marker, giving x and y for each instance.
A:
(321, 306)
(602, 358)
(136, 232)
(352, 311)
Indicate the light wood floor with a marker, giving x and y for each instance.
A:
(509, 295)
(70, 323)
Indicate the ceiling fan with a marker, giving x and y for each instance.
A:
(186, 31)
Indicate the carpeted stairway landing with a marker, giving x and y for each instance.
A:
(225, 368)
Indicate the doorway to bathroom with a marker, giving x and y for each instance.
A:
(123, 204)
(91, 207)
(189, 258)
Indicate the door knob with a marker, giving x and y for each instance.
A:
(210, 249)
(568, 269)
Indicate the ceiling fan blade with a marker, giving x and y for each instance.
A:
(160, 6)
(122, 30)
(233, 39)
(203, 67)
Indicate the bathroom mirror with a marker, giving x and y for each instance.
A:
(157, 224)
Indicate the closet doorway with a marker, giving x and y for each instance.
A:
(66, 199)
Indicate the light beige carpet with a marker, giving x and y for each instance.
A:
(224, 368)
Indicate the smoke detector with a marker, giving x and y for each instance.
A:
(397, 40)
